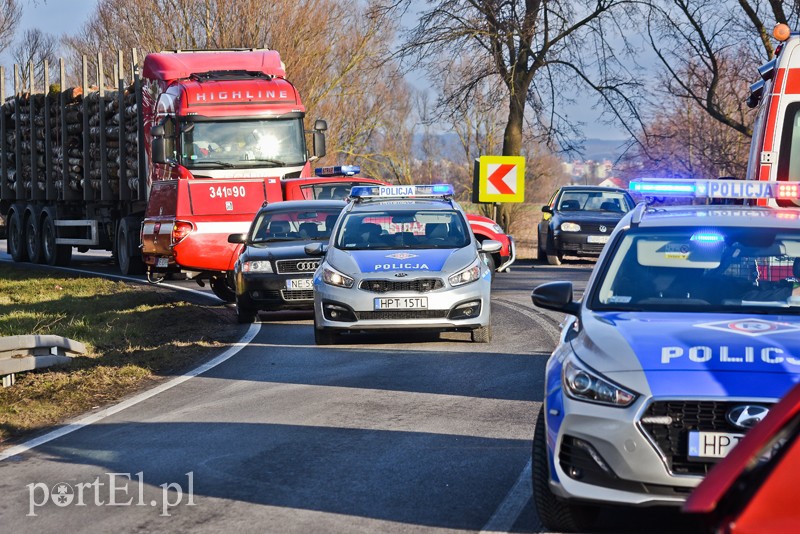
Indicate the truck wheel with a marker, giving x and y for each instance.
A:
(130, 261)
(16, 237)
(555, 514)
(482, 334)
(222, 286)
(33, 243)
(53, 254)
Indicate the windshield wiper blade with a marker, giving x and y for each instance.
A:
(213, 162)
(276, 162)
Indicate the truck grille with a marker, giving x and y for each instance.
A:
(304, 265)
(420, 285)
(297, 294)
(673, 439)
(388, 315)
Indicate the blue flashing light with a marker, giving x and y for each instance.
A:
(665, 187)
(338, 170)
(707, 237)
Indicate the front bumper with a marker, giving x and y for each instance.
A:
(508, 260)
(445, 311)
(577, 243)
(646, 462)
(269, 292)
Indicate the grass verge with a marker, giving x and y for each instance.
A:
(135, 335)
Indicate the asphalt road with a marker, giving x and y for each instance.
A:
(386, 433)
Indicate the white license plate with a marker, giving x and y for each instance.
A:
(597, 239)
(162, 262)
(712, 444)
(401, 303)
(300, 283)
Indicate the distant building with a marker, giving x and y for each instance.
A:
(588, 172)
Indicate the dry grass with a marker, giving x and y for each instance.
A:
(135, 336)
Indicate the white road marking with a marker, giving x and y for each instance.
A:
(509, 510)
(95, 417)
(507, 513)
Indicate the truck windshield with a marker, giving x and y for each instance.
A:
(247, 143)
(731, 270)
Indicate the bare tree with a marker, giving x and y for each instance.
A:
(332, 50)
(10, 13)
(34, 47)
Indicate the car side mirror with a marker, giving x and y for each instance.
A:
(316, 249)
(490, 245)
(237, 238)
(547, 209)
(556, 296)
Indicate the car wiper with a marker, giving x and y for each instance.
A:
(217, 163)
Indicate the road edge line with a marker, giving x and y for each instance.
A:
(254, 329)
(510, 509)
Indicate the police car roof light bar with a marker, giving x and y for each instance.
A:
(338, 170)
(721, 188)
(362, 192)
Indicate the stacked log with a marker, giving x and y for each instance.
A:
(69, 152)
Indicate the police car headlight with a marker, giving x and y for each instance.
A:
(470, 274)
(333, 277)
(570, 227)
(581, 383)
(259, 266)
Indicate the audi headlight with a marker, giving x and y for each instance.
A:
(570, 227)
(334, 278)
(257, 266)
(470, 274)
(584, 384)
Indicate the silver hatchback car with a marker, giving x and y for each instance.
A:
(402, 257)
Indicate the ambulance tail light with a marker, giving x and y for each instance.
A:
(180, 230)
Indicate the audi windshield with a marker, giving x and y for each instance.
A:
(294, 225)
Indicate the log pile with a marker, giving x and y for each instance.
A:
(69, 152)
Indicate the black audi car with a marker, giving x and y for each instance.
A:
(273, 271)
(578, 220)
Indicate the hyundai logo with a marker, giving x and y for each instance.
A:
(746, 416)
(307, 265)
(603, 228)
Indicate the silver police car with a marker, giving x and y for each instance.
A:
(685, 336)
(402, 257)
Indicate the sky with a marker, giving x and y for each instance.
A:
(60, 17)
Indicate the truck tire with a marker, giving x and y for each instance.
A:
(556, 515)
(128, 255)
(33, 240)
(16, 237)
(53, 254)
(223, 287)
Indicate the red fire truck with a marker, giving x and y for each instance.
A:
(195, 145)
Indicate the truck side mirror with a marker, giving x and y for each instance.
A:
(320, 125)
(159, 149)
(158, 131)
(319, 143)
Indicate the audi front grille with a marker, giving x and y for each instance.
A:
(297, 266)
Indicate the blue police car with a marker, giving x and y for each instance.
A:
(402, 257)
(687, 333)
